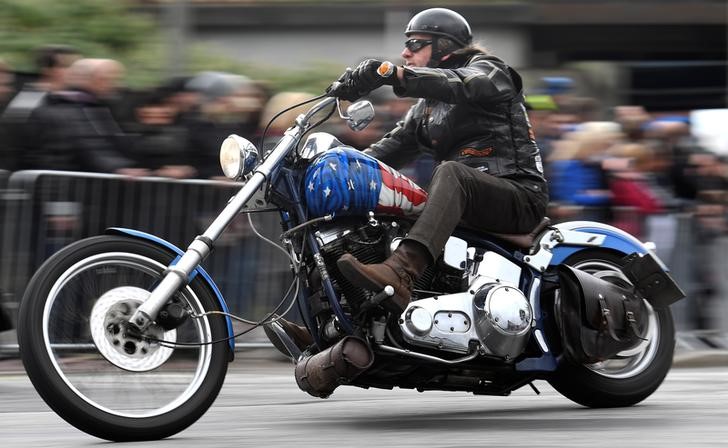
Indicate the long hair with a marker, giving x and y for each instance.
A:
(460, 56)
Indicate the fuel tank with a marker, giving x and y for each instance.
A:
(345, 181)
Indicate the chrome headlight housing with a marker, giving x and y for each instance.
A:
(238, 156)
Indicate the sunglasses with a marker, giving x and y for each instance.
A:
(415, 45)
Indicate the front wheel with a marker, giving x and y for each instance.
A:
(630, 376)
(90, 370)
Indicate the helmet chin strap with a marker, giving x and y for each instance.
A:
(436, 55)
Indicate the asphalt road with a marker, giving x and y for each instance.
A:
(260, 405)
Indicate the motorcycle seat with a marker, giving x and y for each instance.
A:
(526, 240)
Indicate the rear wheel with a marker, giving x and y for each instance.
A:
(631, 375)
(93, 372)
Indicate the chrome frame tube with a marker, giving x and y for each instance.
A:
(412, 354)
(177, 275)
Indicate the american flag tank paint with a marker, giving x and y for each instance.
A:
(346, 181)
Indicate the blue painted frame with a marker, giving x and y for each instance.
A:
(546, 362)
(293, 196)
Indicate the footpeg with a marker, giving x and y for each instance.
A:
(385, 293)
(377, 298)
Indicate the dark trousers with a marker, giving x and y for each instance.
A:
(461, 194)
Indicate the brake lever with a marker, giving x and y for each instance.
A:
(331, 91)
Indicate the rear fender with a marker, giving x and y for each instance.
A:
(610, 238)
(199, 271)
(642, 266)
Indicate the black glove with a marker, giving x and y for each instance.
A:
(364, 79)
(367, 76)
(343, 87)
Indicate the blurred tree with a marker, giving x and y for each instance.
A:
(98, 28)
(313, 78)
(111, 29)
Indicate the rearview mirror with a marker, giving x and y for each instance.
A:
(358, 115)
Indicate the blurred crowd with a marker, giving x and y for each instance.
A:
(642, 172)
(647, 174)
(75, 115)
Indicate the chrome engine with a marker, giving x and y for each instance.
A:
(492, 314)
(479, 306)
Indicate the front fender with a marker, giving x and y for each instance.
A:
(614, 239)
(199, 271)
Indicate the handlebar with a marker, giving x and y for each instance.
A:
(304, 119)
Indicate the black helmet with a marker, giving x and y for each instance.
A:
(441, 22)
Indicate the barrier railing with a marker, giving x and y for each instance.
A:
(47, 210)
(42, 211)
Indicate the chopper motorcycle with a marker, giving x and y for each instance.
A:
(127, 337)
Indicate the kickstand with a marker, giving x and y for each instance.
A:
(538, 392)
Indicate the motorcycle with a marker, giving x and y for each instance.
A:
(127, 337)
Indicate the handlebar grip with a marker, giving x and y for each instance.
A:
(386, 69)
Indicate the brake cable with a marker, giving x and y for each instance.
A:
(266, 320)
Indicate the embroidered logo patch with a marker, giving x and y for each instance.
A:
(474, 152)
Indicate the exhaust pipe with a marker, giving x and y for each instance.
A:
(320, 374)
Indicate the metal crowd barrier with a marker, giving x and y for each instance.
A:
(46, 210)
(43, 211)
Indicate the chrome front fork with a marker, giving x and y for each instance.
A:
(177, 275)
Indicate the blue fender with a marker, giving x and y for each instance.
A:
(615, 239)
(205, 276)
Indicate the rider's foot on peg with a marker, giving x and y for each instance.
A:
(399, 270)
(298, 334)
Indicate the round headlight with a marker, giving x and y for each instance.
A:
(237, 156)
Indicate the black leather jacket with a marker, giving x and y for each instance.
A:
(75, 131)
(473, 114)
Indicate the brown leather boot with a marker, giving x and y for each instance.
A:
(400, 271)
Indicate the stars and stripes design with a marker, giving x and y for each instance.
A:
(344, 180)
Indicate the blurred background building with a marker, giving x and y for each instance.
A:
(662, 54)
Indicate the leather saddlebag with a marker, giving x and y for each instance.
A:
(323, 372)
(598, 318)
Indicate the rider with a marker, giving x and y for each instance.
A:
(471, 117)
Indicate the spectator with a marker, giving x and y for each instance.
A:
(162, 142)
(708, 255)
(76, 130)
(577, 179)
(633, 187)
(52, 63)
(276, 104)
(6, 83)
(633, 120)
(225, 104)
(681, 151)
(6, 88)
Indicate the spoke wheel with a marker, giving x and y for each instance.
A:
(627, 363)
(631, 375)
(94, 372)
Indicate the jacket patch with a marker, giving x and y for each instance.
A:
(474, 152)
